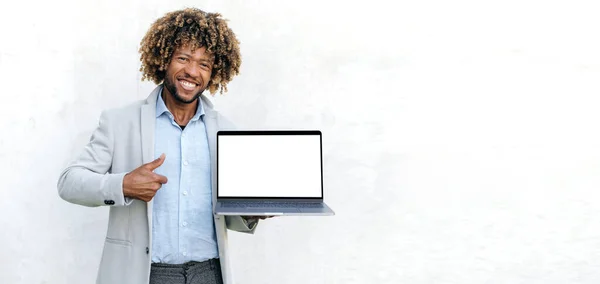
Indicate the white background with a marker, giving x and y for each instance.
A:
(461, 138)
(269, 166)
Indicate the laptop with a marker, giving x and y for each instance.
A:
(270, 173)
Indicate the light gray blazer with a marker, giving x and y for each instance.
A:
(123, 141)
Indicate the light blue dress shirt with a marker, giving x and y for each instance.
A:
(182, 218)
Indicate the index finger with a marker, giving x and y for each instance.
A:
(160, 178)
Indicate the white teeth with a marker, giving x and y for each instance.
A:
(187, 84)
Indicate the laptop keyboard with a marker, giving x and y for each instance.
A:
(276, 204)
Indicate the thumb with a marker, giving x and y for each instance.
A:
(156, 163)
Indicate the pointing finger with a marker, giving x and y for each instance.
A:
(162, 179)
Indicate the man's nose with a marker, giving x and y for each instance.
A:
(193, 70)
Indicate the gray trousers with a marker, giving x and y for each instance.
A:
(207, 272)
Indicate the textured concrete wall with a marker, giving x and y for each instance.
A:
(461, 137)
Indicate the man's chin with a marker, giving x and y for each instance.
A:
(183, 96)
(186, 99)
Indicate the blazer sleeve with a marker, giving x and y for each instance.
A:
(237, 223)
(87, 180)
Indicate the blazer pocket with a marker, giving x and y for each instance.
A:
(118, 242)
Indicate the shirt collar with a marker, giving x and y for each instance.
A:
(161, 107)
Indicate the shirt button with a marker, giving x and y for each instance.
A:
(185, 163)
(182, 134)
(184, 224)
(185, 193)
(184, 253)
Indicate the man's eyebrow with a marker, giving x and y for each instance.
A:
(182, 53)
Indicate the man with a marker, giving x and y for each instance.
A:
(153, 162)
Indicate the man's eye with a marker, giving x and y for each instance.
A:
(182, 59)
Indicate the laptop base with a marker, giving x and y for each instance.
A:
(221, 208)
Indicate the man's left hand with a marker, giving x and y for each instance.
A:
(257, 217)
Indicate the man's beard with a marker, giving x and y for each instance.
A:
(173, 90)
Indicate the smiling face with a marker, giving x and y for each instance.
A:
(188, 73)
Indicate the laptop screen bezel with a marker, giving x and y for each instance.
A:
(270, 132)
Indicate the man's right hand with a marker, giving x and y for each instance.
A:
(142, 183)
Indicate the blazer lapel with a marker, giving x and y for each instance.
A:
(148, 122)
(211, 131)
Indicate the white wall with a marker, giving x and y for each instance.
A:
(461, 137)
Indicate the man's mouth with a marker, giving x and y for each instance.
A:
(186, 85)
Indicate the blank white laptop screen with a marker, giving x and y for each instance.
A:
(269, 166)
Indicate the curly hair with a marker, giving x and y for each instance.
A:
(197, 29)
